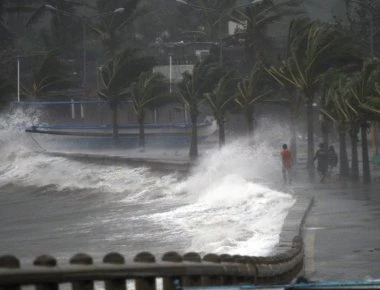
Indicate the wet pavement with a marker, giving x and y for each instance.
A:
(342, 229)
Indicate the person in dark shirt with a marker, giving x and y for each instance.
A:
(322, 161)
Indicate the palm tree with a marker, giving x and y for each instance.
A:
(255, 19)
(335, 108)
(147, 89)
(191, 93)
(319, 47)
(51, 74)
(251, 90)
(219, 100)
(294, 98)
(116, 76)
(363, 88)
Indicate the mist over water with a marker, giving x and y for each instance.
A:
(60, 206)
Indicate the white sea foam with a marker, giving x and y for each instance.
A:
(224, 205)
(227, 211)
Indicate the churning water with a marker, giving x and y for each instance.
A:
(58, 206)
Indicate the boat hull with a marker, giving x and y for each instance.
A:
(63, 137)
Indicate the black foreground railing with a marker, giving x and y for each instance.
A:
(176, 271)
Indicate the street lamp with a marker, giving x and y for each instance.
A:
(84, 20)
(184, 2)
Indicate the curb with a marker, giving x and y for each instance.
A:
(294, 223)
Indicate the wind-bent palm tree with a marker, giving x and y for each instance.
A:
(255, 18)
(251, 90)
(219, 100)
(294, 98)
(336, 109)
(317, 48)
(116, 76)
(364, 88)
(51, 74)
(147, 89)
(191, 93)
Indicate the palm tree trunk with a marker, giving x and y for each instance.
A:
(344, 169)
(194, 137)
(325, 132)
(250, 53)
(115, 127)
(310, 137)
(141, 118)
(354, 154)
(222, 135)
(293, 138)
(365, 157)
(249, 118)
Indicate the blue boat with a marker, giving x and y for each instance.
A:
(66, 136)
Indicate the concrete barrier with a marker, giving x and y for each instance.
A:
(177, 271)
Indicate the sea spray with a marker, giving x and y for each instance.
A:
(63, 206)
(227, 210)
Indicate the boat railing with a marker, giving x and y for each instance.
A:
(175, 270)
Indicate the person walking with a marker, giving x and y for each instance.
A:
(322, 162)
(287, 163)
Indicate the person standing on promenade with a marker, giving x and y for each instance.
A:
(287, 163)
(322, 161)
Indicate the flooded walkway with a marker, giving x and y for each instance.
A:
(342, 231)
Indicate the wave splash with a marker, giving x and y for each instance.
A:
(223, 206)
(228, 210)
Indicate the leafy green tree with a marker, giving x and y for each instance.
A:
(117, 76)
(191, 92)
(147, 90)
(219, 100)
(251, 90)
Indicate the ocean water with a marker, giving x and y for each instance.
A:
(58, 206)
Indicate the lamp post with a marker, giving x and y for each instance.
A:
(19, 67)
(84, 21)
(184, 2)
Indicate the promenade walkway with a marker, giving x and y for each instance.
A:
(341, 230)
